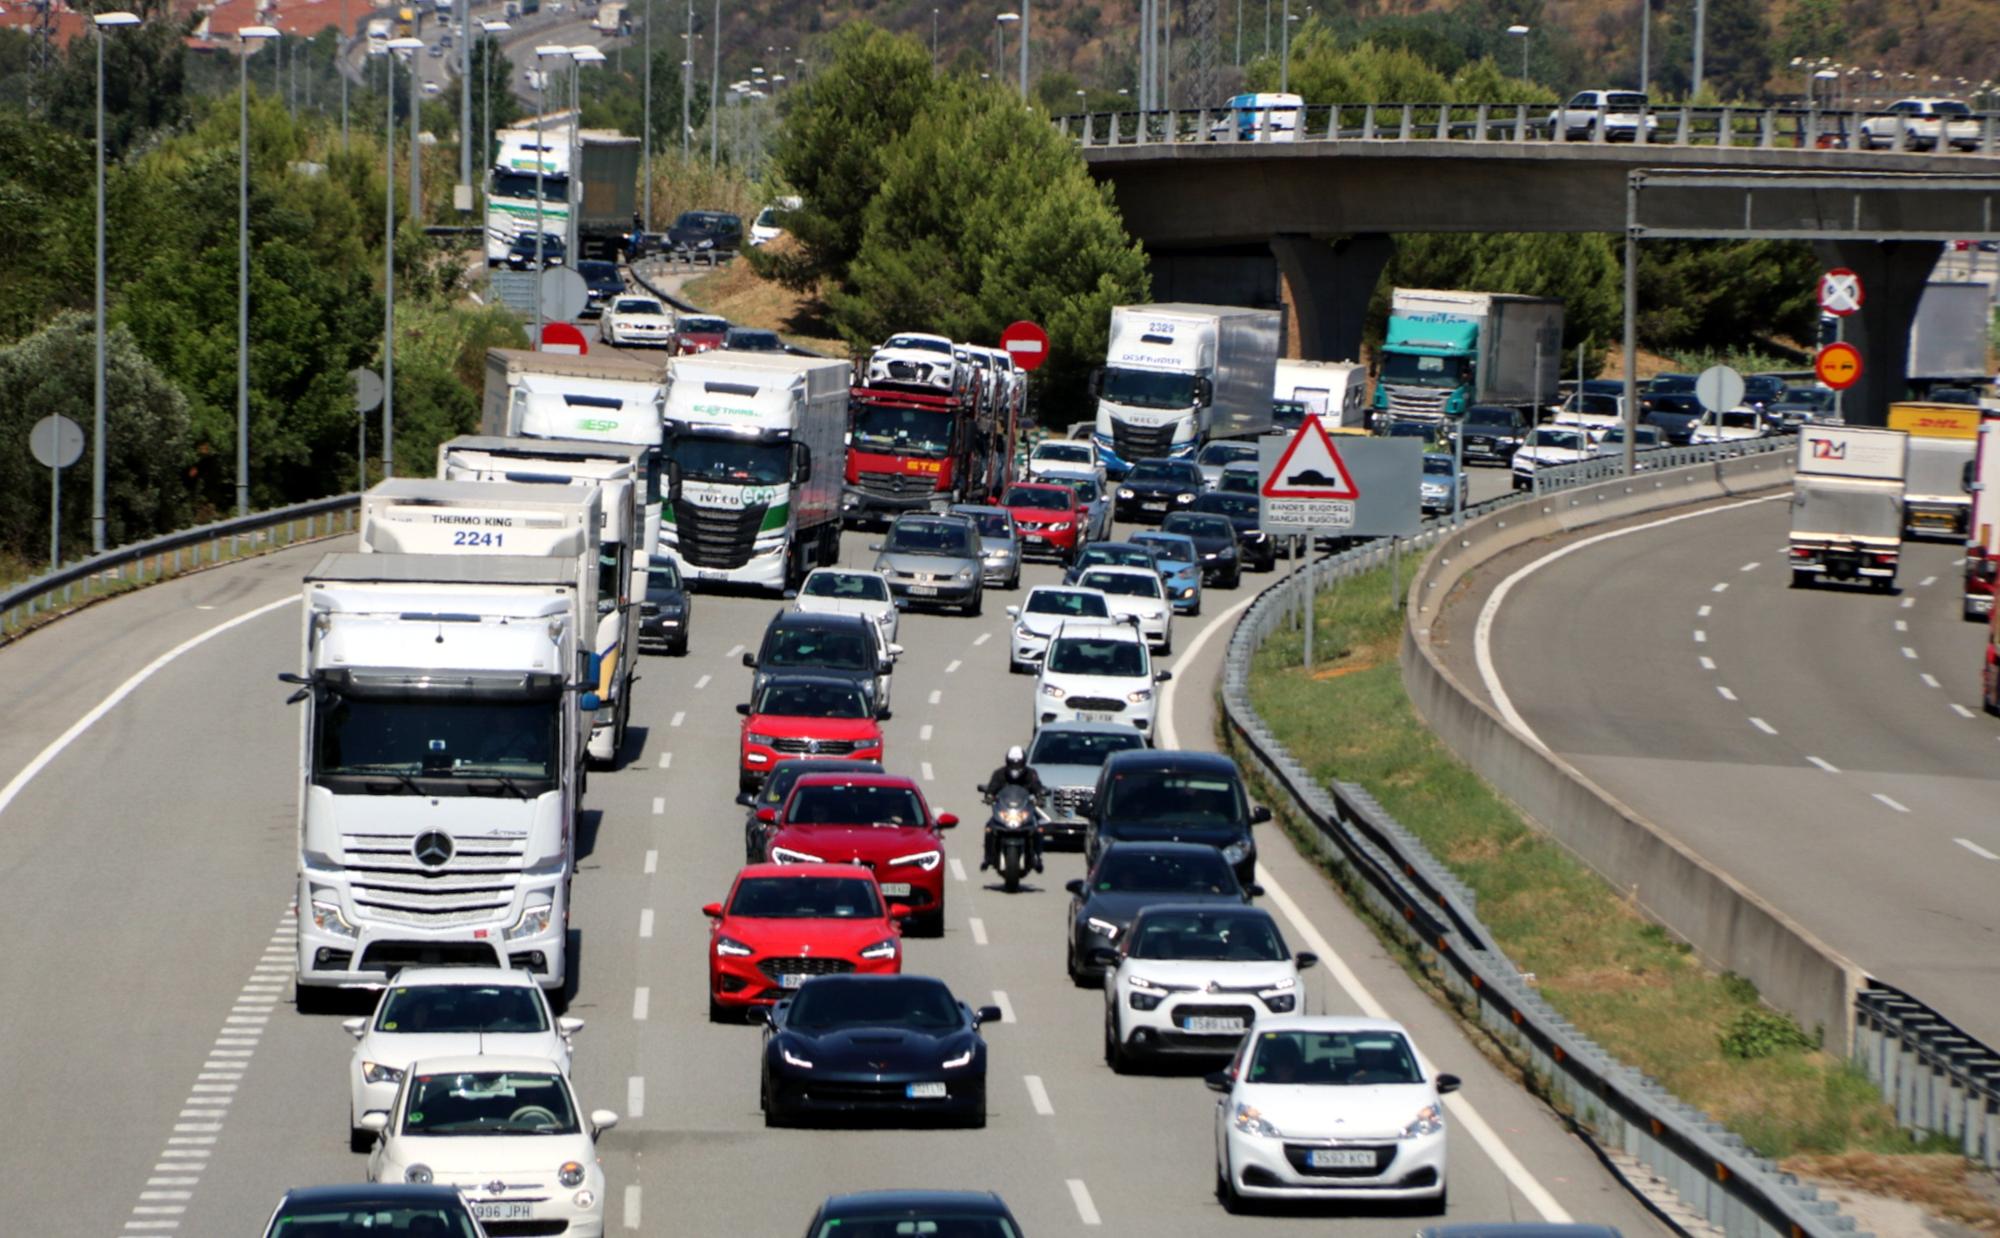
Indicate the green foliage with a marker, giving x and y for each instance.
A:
(1812, 28)
(1706, 294)
(1737, 62)
(145, 83)
(1759, 1032)
(616, 99)
(45, 250)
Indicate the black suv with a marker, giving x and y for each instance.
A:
(717, 230)
(666, 611)
(1149, 795)
(1155, 487)
(521, 254)
(1490, 432)
(1259, 549)
(839, 646)
(1214, 540)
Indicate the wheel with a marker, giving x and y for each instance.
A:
(1014, 581)
(928, 926)
(1010, 881)
(1235, 579)
(679, 648)
(1115, 1056)
(313, 999)
(746, 783)
(1195, 613)
(1225, 1189)
(1167, 645)
(976, 1120)
(359, 1138)
(717, 1013)
(1017, 667)
(977, 604)
(1971, 614)
(1802, 580)
(1432, 1207)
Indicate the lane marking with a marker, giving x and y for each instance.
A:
(1828, 766)
(1909, 652)
(1707, 663)
(1889, 803)
(957, 870)
(1086, 1211)
(928, 777)
(642, 997)
(937, 694)
(680, 716)
(735, 651)
(1038, 1096)
(924, 732)
(659, 805)
(1763, 726)
(1902, 625)
(952, 668)
(1489, 674)
(1721, 586)
(1704, 612)
(123, 690)
(701, 683)
(1909, 602)
(652, 862)
(1700, 637)
(1751, 566)
(632, 1206)
(1976, 849)
(1962, 711)
(978, 927)
(1926, 582)
(1930, 680)
(666, 760)
(1724, 693)
(983, 638)
(635, 1097)
(646, 922)
(1006, 1007)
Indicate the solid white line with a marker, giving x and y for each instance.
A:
(635, 1097)
(123, 690)
(983, 638)
(1707, 663)
(646, 922)
(1828, 766)
(1926, 582)
(1902, 625)
(641, 998)
(978, 927)
(1085, 1210)
(1887, 802)
(952, 667)
(1930, 680)
(957, 870)
(1909, 652)
(701, 683)
(666, 760)
(1038, 1096)
(1751, 566)
(659, 805)
(679, 717)
(1720, 587)
(1763, 726)
(937, 694)
(1724, 693)
(632, 1206)
(1976, 849)
(928, 777)
(924, 732)
(652, 862)
(1006, 1007)
(1483, 630)
(1962, 711)
(1704, 612)
(1700, 637)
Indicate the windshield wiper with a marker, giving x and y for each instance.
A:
(378, 771)
(502, 779)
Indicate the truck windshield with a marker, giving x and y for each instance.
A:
(431, 736)
(1148, 388)
(905, 431)
(1421, 370)
(732, 460)
(510, 183)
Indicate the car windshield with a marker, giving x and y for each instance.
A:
(755, 341)
(1174, 797)
(1085, 488)
(1762, 387)
(806, 898)
(1620, 99)
(662, 577)
(991, 524)
(812, 700)
(1437, 466)
(1226, 453)
(805, 645)
(385, 1217)
(778, 787)
(906, 431)
(1569, 439)
(702, 324)
(1950, 107)
(1038, 497)
(932, 537)
(1671, 384)
(1814, 396)
(925, 342)
(489, 1102)
(855, 586)
(1590, 405)
(851, 804)
(1356, 1059)
(437, 1009)
(419, 734)
(1165, 470)
(1221, 935)
(1422, 370)
(597, 271)
(1067, 602)
(1488, 419)
(942, 1224)
(1738, 419)
(512, 184)
(1066, 453)
(1642, 438)
(1092, 655)
(1171, 549)
(1136, 870)
(636, 305)
(1125, 584)
(1227, 504)
(1148, 388)
(912, 1002)
(704, 457)
(1237, 481)
(1058, 747)
(1117, 554)
(1199, 526)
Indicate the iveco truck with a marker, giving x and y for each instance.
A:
(756, 442)
(618, 472)
(439, 771)
(1447, 351)
(1176, 376)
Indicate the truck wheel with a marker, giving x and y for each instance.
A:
(1802, 580)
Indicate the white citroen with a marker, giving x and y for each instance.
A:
(1191, 978)
(851, 591)
(1046, 608)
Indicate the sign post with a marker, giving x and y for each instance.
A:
(1839, 295)
(56, 442)
(367, 398)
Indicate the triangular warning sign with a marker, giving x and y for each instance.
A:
(1310, 468)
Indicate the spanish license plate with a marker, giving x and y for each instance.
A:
(924, 1091)
(512, 1210)
(1211, 1023)
(792, 980)
(1340, 1158)
(703, 573)
(1032, 537)
(1095, 715)
(893, 888)
(923, 591)
(1154, 507)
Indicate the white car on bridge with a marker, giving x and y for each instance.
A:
(1922, 124)
(1621, 112)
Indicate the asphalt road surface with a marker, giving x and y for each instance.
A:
(1824, 746)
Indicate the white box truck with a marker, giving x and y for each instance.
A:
(757, 442)
(1332, 390)
(611, 399)
(439, 788)
(1847, 504)
(1444, 352)
(1177, 375)
(510, 187)
(1943, 441)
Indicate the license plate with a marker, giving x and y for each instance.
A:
(1032, 537)
(923, 591)
(792, 980)
(924, 1091)
(1340, 1158)
(1154, 507)
(896, 887)
(1209, 1023)
(1095, 715)
(504, 1211)
(701, 573)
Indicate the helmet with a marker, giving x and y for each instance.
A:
(1016, 757)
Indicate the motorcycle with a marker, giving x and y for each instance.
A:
(1013, 824)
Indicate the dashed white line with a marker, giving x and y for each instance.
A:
(1909, 652)
(1086, 1211)
(1930, 680)
(1976, 849)
(1926, 582)
(1707, 663)
(937, 694)
(735, 651)
(928, 776)
(1751, 566)
(1724, 693)
(659, 805)
(1703, 613)
(632, 1206)
(642, 999)
(1908, 602)
(1826, 765)
(1962, 711)
(666, 760)
(1006, 1007)
(1958, 563)
(951, 668)
(680, 716)
(1721, 586)
(635, 1097)
(701, 683)
(1902, 625)
(646, 922)
(978, 927)
(1700, 637)
(1889, 803)
(924, 732)
(652, 862)
(1763, 726)
(1038, 1095)
(957, 870)
(983, 638)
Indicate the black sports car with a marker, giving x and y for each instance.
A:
(1131, 876)
(900, 1045)
(878, 1214)
(1258, 548)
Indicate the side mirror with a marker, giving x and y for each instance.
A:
(900, 911)
(602, 1120)
(790, 594)
(356, 1028)
(712, 910)
(569, 1025)
(987, 1014)
(1103, 956)
(802, 464)
(1219, 1081)
(1074, 886)
(895, 651)
(1259, 815)
(1013, 612)
(947, 820)
(1305, 959)
(875, 548)
(767, 1016)
(1254, 890)
(750, 660)
(589, 702)
(1162, 676)
(1096, 383)
(746, 799)
(767, 816)
(377, 1120)
(1447, 1084)
(743, 707)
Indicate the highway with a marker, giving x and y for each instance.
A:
(150, 814)
(1824, 746)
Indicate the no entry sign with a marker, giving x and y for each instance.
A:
(1027, 344)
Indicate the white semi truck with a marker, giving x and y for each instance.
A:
(510, 187)
(1177, 375)
(613, 399)
(438, 759)
(757, 442)
(1847, 504)
(618, 472)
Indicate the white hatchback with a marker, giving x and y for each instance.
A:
(851, 591)
(1046, 608)
(1059, 459)
(1098, 672)
(1190, 979)
(1138, 593)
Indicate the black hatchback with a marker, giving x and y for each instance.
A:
(1158, 796)
(603, 281)
(706, 230)
(1259, 549)
(1155, 487)
(521, 254)
(960, 1214)
(384, 1208)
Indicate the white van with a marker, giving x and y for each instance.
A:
(1259, 118)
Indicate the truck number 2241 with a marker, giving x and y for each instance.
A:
(473, 537)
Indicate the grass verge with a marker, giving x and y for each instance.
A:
(738, 294)
(1619, 977)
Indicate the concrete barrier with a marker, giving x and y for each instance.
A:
(1728, 924)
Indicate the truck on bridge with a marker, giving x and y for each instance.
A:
(1447, 351)
(1177, 375)
(1847, 505)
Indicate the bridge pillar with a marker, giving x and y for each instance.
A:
(1893, 274)
(1220, 275)
(1329, 285)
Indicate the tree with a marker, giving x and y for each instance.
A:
(1701, 295)
(45, 251)
(1736, 64)
(1578, 270)
(145, 82)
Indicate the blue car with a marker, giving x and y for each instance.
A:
(1179, 565)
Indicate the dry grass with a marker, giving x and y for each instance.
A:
(739, 295)
(1943, 1184)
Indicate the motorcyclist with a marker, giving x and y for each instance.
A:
(1016, 772)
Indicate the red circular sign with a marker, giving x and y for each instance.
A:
(1027, 344)
(1838, 366)
(563, 337)
(1840, 292)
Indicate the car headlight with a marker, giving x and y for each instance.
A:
(1429, 1121)
(571, 1174)
(1184, 498)
(586, 1200)
(1251, 1122)
(1280, 1003)
(1125, 492)
(376, 1072)
(728, 947)
(963, 1059)
(793, 1059)
(1236, 852)
(754, 737)
(884, 949)
(533, 921)
(926, 860)
(1053, 691)
(1187, 592)
(1140, 697)
(327, 918)
(965, 573)
(785, 855)
(418, 1174)
(1103, 928)
(1059, 527)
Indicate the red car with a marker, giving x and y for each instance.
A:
(784, 923)
(805, 716)
(878, 821)
(1048, 516)
(698, 332)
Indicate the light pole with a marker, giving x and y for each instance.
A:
(579, 56)
(1285, 50)
(244, 38)
(687, 96)
(543, 56)
(416, 146)
(1000, 24)
(1521, 32)
(103, 21)
(490, 28)
(1645, 45)
(934, 41)
(714, 84)
(1700, 38)
(391, 48)
(464, 105)
(646, 136)
(1025, 14)
(340, 71)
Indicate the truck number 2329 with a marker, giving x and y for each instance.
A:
(473, 537)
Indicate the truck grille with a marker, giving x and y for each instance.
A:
(716, 536)
(1140, 442)
(1097, 704)
(775, 968)
(817, 747)
(896, 485)
(1072, 803)
(477, 883)
(1417, 401)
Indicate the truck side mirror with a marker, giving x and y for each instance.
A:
(1204, 389)
(802, 464)
(1096, 383)
(673, 482)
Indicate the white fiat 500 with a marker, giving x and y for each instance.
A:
(447, 1012)
(1191, 978)
(1329, 1107)
(507, 1132)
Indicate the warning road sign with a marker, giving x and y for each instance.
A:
(1840, 292)
(1310, 468)
(1365, 487)
(1838, 366)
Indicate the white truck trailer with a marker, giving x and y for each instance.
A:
(439, 784)
(1847, 504)
(757, 442)
(1177, 375)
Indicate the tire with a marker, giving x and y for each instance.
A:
(745, 783)
(1434, 1207)
(1017, 667)
(976, 1120)
(1972, 615)
(928, 926)
(312, 999)
(1225, 1190)
(1115, 1056)
(977, 604)
(1804, 580)
(1167, 646)
(1235, 579)
(716, 1011)
(360, 1139)
(1014, 581)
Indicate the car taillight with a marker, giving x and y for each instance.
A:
(1801, 552)
(1885, 559)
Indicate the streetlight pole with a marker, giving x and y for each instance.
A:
(714, 84)
(244, 37)
(1645, 45)
(1000, 24)
(489, 28)
(646, 136)
(1285, 50)
(465, 104)
(543, 55)
(416, 148)
(1521, 32)
(103, 22)
(1700, 38)
(1025, 5)
(579, 56)
(934, 40)
(390, 49)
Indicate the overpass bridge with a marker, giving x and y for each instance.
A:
(1227, 220)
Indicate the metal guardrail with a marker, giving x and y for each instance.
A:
(1711, 1170)
(1939, 1080)
(75, 585)
(1767, 128)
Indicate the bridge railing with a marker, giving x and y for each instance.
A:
(1767, 128)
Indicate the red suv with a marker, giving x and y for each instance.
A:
(1048, 517)
(879, 821)
(805, 716)
(785, 923)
